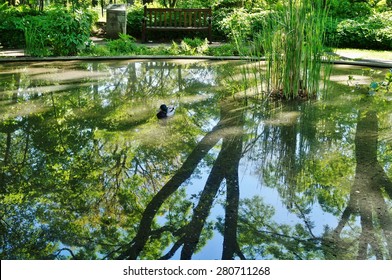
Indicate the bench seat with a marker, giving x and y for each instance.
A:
(172, 19)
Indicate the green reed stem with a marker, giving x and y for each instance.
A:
(292, 42)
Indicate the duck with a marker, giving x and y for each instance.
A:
(165, 111)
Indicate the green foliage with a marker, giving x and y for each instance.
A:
(56, 31)
(351, 23)
(221, 10)
(243, 24)
(233, 4)
(135, 16)
(124, 45)
(237, 24)
(380, 87)
(69, 32)
(194, 46)
(194, 4)
(371, 33)
(95, 50)
(189, 46)
(346, 9)
(36, 38)
(229, 49)
(12, 35)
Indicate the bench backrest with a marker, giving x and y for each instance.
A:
(172, 17)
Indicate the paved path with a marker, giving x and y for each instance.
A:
(12, 53)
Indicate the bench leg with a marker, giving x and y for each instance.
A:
(144, 39)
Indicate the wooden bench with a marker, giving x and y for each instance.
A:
(172, 19)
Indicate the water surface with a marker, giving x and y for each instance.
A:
(88, 172)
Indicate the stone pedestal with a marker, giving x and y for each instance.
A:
(116, 20)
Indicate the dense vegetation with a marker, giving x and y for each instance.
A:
(274, 29)
(64, 28)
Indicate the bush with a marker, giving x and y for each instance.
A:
(11, 34)
(135, 16)
(344, 9)
(124, 45)
(190, 46)
(229, 49)
(69, 32)
(243, 24)
(218, 15)
(56, 31)
(95, 50)
(36, 35)
(372, 33)
(237, 24)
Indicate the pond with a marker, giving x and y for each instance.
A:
(87, 171)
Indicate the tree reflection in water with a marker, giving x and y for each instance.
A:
(368, 196)
(229, 129)
(87, 171)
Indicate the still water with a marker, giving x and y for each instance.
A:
(87, 171)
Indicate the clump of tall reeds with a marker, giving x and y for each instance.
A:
(292, 43)
(35, 37)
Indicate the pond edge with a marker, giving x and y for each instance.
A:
(367, 62)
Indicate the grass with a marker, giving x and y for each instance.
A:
(358, 54)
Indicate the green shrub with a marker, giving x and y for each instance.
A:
(69, 32)
(11, 36)
(135, 16)
(195, 42)
(218, 31)
(194, 4)
(229, 49)
(11, 33)
(258, 20)
(350, 33)
(344, 9)
(95, 50)
(124, 45)
(56, 31)
(243, 24)
(237, 24)
(383, 5)
(36, 35)
(190, 46)
(371, 33)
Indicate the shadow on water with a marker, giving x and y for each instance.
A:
(88, 172)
